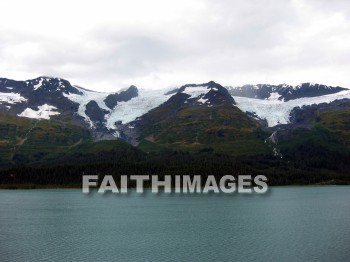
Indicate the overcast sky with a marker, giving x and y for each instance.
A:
(108, 45)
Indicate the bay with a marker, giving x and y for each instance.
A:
(286, 224)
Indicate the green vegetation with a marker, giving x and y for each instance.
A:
(326, 145)
(220, 128)
(338, 123)
(207, 142)
(24, 140)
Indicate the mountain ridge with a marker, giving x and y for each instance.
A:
(108, 115)
(49, 125)
(283, 92)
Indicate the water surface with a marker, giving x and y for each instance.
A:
(287, 224)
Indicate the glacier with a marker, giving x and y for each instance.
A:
(277, 112)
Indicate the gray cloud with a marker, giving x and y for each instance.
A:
(156, 45)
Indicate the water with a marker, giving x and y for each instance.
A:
(287, 224)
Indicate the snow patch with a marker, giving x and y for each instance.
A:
(274, 96)
(195, 91)
(11, 98)
(116, 134)
(43, 112)
(202, 100)
(38, 85)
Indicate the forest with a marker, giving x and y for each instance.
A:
(308, 168)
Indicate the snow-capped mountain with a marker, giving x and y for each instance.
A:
(191, 107)
(48, 97)
(42, 95)
(47, 118)
(51, 123)
(277, 112)
(209, 93)
(283, 92)
(106, 109)
(274, 103)
(110, 113)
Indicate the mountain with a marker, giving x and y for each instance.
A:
(283, 92)
(276, 112)
(55, 98)
(26, 140)
(197, 117)
(26, 97)
(196, 127)
(105, 113)
(191, 116)
(112, 100)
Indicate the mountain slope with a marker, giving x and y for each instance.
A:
(191, 117)
(24, 140)
(49, 97)
(277, 112)
(197, 117)
(50, 133)
(317, 138)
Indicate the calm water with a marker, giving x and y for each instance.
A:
(288, 224)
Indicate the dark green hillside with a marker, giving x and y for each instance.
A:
(338, 123)
(325, 146)
(220, 128)
(180, 137)
(24, 140)
(209, 122)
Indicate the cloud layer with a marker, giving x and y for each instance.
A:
(107, 45)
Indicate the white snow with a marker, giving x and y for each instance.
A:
(277, 112)
(195, 91)
(43, 112)
(116, 134)
(284, 85)
(61, 85)
(147, 100)
(198, 91)
(274, 96)
(38, 85)
(124, 111)
(135, 107)
(11, 98)
(202, 100)
(85, 98)
(9, 88)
